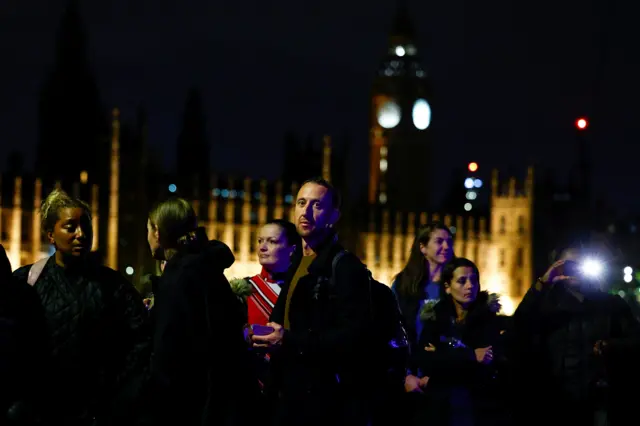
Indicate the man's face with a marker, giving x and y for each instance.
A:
(315, 214)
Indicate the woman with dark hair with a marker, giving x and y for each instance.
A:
(460, 351)
(200, 370)
(97, 328)
(419, 281)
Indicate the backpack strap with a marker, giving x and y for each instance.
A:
(332, 282)
(36, 270)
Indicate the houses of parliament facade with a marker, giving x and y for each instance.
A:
(380, 231)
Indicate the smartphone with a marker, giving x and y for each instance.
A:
(571, 268)
(261, 330)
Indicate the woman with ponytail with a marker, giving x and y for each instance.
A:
(200, 368)
(95, 322)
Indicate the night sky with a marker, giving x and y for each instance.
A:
(509, 78)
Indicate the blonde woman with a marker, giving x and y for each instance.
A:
(95, 320)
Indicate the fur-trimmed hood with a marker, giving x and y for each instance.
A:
(486, 304)
(241, 287)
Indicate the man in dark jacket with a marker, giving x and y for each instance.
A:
(577, 346)
(322, 330)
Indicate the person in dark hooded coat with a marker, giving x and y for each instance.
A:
(461, 353)
(199, 366)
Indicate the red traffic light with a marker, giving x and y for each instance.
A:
(582, 123)
(473, 167)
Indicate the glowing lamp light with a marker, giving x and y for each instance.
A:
(477, 183)
(173, 188)
(400, 51)
(473, 167)
(129, 270)
(628, 278)
(582, 123)
(628, 270)
(592, 268)
(469, 183)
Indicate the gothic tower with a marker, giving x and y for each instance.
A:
(71, 120)
(192, 150)
(400, 124)
(511, 234)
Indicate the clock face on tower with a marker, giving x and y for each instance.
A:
(389, 114)
(421, 114)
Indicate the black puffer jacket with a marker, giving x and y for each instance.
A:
(99, 340)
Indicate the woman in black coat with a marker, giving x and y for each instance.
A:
(96, 327)
(460, 352)
(201, 365)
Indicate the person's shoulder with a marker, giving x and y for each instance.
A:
(22, 273)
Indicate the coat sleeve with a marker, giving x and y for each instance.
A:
(134, 348)
(445, 361)
(352, 323)
(627, 340)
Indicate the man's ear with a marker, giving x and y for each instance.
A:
(50, 237)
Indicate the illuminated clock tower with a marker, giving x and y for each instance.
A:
(400, 124)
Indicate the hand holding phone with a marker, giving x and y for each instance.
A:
(261, 330)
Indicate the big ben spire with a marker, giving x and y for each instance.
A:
(400, 123)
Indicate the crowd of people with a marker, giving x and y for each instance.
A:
(312, 339)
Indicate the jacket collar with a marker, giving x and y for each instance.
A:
(272, 277)
(325, 253)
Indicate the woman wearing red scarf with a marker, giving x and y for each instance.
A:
(276, 242)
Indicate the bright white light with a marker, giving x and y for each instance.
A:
(478, 183)
(389, 115)
(471, 195)
(129, 270)
(467, 206)
(383, 165)
(628, 278)
(592, 268)
(421, 114)
(383, 198)
(173, 188)
(468, 183)
(400, 51)
(628, 270)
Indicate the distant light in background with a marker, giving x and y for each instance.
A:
(582, 123)
(421, 114)
(467, 206)
(471, 195)
(628, 270)
(84, 177)
(477, 183)
(129, 270)
(453, 229)
(628, 278)
(469, 183)
(473, 167)
(173, 188)
(400, 51)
